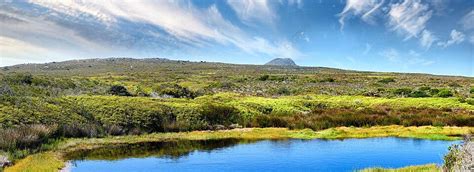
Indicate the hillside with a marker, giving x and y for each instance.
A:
(146, 75)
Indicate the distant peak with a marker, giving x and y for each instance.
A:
(281, 62)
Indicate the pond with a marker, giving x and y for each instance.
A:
(263, 155)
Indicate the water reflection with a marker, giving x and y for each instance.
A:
(168, 149)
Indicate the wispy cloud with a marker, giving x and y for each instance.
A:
(368, 47)
(409, 17)
(427, 39)
(250, 11)
(297, 3)
(468, 21)
(390, 54)
(364, 9)
(406, 59)
(456, 37)
(471, 39)
(351, 59)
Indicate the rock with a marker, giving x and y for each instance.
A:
(218, 127)
(281, 62)
(232, 126)
(4, 161)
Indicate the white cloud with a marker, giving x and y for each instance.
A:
(253, 10)
(427, 39)
(439, 6)
(298, 3)
(471, 39)
(468, 21)
(14, 51)
(412, 58)
(37, 35)
(456, 37)
(420, 61)
(414, 53)
(351, 59)
(365, 9)
(409, 17)
(368, 47)
(182, 20)
(390, 54)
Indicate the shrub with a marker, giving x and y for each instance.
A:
(80, 130)
(25, 136)
(418, 93)
(277, 78)
(472, 90)
(402, 91)
(386, 80)
(434, 92)
(214, 113)
(5, 89)
(445, 93)
(283, 91)
(176, 91)
(19, 78)
(328, 80)
(263, 77)
(119, 90)
(425, 88)
(224, 85)
(190, 119)
(470, 101)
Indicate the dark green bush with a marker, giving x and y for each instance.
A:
(402, 91)
(470, 101)
(419, 93)
(224, 85)
(434, 91)
(19, 78)
(214, 113)
(328, 80)
(425, 88)
(445, 93)
(176, 91)
(277, 78)
(386, 80)
(119, 90)
(263, 77)
(283, 91)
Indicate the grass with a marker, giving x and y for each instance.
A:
(416, 168)
(52, 160)
(42, 162)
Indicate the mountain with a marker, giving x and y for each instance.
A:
(281, 62)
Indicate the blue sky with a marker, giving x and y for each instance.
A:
(433, 36)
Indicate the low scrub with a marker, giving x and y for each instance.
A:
(25, 136)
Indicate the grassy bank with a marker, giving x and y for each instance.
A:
(417, 168)
(53, 159)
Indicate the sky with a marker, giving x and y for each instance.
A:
(431, 36)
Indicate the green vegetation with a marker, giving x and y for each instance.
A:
(43, 103)
(417, 168)
(60, 149)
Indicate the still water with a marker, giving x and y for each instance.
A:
(266, 155)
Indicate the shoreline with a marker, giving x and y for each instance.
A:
(53, 159)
